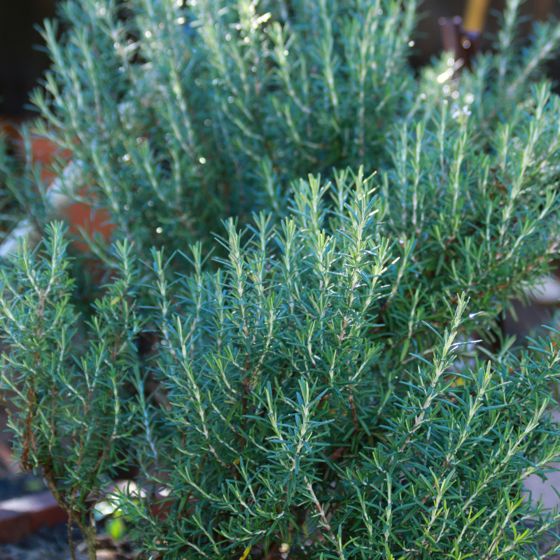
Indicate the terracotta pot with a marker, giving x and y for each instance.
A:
(22, 516)
(9, 128)
(81, 217)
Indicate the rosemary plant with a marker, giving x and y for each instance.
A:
(334, 384)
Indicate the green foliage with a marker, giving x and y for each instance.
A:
(296, 415)
(185, 113)
(71, 410)
(17, 186)
(318, 391)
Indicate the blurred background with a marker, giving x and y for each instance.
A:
(22, 60)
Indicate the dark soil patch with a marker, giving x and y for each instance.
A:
(45, 544)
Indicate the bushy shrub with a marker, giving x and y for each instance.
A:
(183, 113)
(335, 385)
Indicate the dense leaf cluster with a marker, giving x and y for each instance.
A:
(334, 384)
(183, 113)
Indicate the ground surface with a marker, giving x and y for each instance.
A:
(46, 544)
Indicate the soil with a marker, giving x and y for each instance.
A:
(46, 544)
